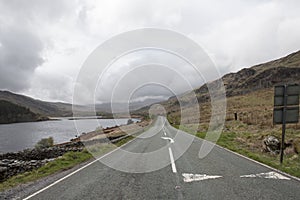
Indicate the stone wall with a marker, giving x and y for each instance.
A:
(19, 162)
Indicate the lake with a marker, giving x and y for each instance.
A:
(19, 136)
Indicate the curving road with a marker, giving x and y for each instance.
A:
(163, 163)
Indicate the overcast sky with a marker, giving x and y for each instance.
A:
(43, 44)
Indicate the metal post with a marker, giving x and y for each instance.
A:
(235, 116)
(283, 123)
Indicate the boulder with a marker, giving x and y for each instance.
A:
(271, 144)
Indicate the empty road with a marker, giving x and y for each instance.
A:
(163, 163)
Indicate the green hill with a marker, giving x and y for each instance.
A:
(12, 113)
(51, 109)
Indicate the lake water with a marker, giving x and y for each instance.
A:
(19, 136)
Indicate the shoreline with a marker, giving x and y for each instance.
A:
(19, 136)
(15, 163)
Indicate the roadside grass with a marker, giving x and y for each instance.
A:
(124, 141)
(244, 135)
(65, 162)
(247, 144)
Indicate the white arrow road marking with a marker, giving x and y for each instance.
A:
(171, 154)
(167, 138)
(172, 161)
(269, 175)
(197, 177)
(165, 132)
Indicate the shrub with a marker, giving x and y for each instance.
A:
(45, 143)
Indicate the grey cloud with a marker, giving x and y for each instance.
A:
(23, 38)
(147, 73)
(235, 33)
(51, 85)
(20, 55)
(31, 10)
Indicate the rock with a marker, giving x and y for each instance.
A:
(14, 163)
(271, 144)
(2, 163)
(3, 169)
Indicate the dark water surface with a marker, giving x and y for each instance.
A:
(19, 136)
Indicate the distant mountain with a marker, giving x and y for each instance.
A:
(12, 113)
(37, 106)
(259, 77)
(58, 109)
(123, 107)
(247, 80)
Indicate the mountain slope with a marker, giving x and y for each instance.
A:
(262, 76)
(58, 109)
(258, 80)
(12, 113)
(37, 106)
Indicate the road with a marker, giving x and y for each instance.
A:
(155, 169)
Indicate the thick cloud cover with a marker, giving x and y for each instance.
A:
(20, 54)
(43, 44)
(23, 41)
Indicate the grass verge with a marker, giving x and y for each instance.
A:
(240, 142)
(67, 161)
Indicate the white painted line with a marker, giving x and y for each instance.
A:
(262, 164)
(172, 161)
(165, 132)
(269, 175)
(197, 177)
(76, 171)
(240, 155)
(167, 138)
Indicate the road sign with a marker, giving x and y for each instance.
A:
(291, 100)
(292, 115)
(291, 95)
(286, 108)
(292, 89)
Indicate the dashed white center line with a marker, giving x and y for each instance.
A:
(170, 152)
(172, 161)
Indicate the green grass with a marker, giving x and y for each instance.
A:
(67, 161)
(124, 141)
(229, 140)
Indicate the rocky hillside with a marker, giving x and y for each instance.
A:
(12, 113)
(262, 76)
(248, 86)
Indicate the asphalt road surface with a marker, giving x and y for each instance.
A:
(163, 163)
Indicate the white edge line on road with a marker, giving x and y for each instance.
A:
(172, 161)
(76, 171)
